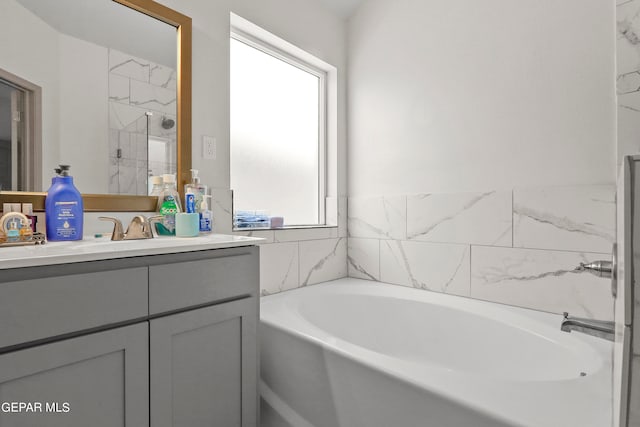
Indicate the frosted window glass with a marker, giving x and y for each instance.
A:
(274, 136)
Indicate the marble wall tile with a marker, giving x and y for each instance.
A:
(114, 142)
(221, 209)
(322, 260)
(363, 258)
(267, 235)
(576, 218)
(124, 117)
(114, 184)
(468, 218)
(299, 234)
(129, 66)
(377, 217)
(162, 76)
(118, 89)
(432, 266)
(540, 279)
(127, 177)
(142, 185)
(145, 95)
(156, 129)
(628, 130)
(139, 144)
(342, 216)
(278, 267)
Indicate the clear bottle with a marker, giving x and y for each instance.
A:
(168, 206)
(197, 188)
(26, 233)
(206, 216)
(156, 182)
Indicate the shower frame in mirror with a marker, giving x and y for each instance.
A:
(128, 203)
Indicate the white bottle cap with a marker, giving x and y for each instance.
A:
(156, 180)
(169, 178)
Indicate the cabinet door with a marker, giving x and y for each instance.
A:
(204, 366)
(94, 380)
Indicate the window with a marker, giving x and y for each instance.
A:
(278, 132)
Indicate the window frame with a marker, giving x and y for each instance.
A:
(322, 75)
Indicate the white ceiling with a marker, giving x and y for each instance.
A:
(342, 8)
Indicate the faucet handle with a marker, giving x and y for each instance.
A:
(597, 268)
(138, 229)
(152, 220)
(118, 233)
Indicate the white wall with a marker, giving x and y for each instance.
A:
(466, 95)
(84, 113)
(33, 55)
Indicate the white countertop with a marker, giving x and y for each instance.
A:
(95, 249)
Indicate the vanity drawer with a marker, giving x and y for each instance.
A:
(35, 309)
(218, 275)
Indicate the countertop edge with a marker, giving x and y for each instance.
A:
(60, 253)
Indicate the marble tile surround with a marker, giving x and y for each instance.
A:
(540, 279)
(576, 218)
(295, 257)
(453, 218)
(138, 86)
(628, 142)
(516, 247)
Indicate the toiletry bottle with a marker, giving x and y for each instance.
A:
(64, 209)
(206, 217)
(25, 231)
(13, 232)
(190, 201)
(156, 182)
(197, 188)
(27, 210)
(168, 206)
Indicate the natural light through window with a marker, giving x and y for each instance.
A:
(276, 135)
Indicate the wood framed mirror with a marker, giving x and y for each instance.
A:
(181, 159)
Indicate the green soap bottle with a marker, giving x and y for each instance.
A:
(168, 206)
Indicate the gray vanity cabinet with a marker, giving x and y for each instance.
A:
(162, 340)
(204, 367)
(96, 380)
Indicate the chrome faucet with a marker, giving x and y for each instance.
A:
(596, 328)
(139, 228)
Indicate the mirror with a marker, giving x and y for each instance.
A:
(113, 81)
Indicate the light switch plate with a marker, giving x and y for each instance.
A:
(208, 147)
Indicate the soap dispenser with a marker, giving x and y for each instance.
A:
(196, 188)
(64, 209)
(206, 216)
(168, 206)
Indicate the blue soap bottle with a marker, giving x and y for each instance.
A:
(64, 210)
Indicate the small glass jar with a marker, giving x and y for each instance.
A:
(26, 233)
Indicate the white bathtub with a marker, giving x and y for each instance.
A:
(354, 353)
